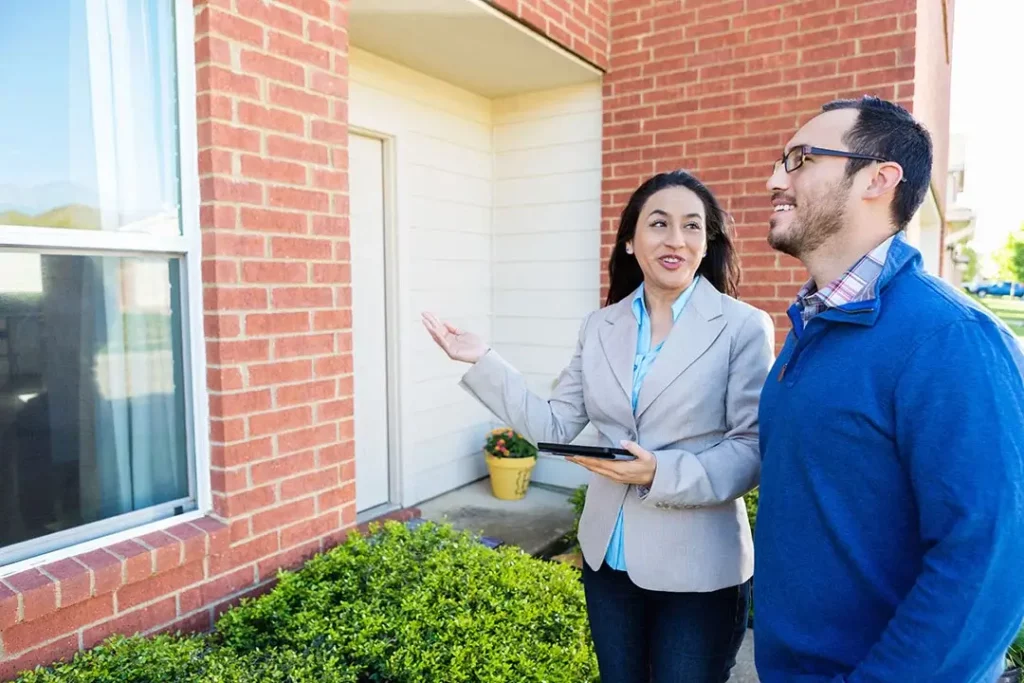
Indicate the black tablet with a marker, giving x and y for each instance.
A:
(602, 452)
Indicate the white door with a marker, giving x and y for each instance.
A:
(369, 320)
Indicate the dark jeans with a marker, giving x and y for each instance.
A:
(644, 636)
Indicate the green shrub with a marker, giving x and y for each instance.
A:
(193, 659)
(1015, 657)
(576, 500)
(426, 605)
(131, 660)
(400, 606)
(751, 500)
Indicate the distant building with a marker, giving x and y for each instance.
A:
(960, 216)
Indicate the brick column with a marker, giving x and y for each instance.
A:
(717, 87)
(272, 81)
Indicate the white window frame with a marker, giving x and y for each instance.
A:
(187, 249)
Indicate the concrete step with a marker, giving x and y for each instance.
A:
(537, 523)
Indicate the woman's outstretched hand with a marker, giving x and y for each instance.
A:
(458, 344)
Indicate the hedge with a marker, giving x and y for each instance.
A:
(402, 605)
(170, 659)
(1015, 655)
(751, 500)
(576, 499)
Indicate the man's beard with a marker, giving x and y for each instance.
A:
(817, 222)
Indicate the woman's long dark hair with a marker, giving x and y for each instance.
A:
(721, 265)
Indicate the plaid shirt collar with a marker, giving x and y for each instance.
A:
(856, 284)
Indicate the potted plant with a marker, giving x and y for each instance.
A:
(1014, 661)
(510, 461)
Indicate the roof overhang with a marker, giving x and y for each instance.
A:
(959, 235)
(467, 43)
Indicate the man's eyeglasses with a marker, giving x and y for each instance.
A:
(794, 158)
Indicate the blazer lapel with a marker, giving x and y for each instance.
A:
(618, 339)
(698, 326)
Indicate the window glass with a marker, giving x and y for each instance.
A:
(92, 401)
(87, 115)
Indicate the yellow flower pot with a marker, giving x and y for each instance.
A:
(510, 477)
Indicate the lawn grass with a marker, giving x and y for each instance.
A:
(1010, 310)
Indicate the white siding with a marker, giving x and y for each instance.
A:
(547, 213)
(497, 223)
(442, 167)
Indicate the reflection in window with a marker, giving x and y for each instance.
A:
(87, 115)
(92, 408)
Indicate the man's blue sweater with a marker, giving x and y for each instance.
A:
(890, 536)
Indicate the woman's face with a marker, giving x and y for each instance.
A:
(670, 239)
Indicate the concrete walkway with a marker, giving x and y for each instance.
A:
(744, 671)
(534, 523)
(537, 523)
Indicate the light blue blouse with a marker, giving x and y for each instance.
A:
(615, 557)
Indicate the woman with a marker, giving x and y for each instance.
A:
(671, 368)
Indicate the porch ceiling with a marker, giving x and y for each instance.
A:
(467, 43)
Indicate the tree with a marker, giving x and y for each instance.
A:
(971, 265)
(1017, 255)
(1011, 257)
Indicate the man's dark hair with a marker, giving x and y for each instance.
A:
(887, 130)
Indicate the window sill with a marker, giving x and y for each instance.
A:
(43, 589)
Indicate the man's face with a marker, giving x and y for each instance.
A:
(809, 204)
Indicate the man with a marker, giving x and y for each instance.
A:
(890, 537)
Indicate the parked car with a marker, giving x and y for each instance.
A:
(1004, 288)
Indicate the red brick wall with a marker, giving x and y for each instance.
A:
(578, 25)
(272, 84)
(718, 86)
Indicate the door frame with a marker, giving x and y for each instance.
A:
(391, 323)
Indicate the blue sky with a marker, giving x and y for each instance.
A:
(46, 118)
(45, 94)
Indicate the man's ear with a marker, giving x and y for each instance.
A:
(887, 176)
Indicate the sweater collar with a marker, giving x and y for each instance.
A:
(865, 311)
